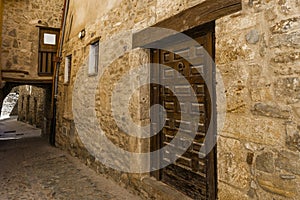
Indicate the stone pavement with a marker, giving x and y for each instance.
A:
(31, 169)
(11, 129)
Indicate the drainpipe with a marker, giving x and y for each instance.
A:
(56, 74)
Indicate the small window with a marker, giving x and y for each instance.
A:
(68, 63)
(49, 39)
(93, 58)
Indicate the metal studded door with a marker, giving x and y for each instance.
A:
(190, 174)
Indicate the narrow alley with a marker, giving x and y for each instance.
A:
(31, 169)
(150, 99)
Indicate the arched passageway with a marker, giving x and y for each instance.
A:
(30, 104)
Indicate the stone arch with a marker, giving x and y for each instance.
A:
(26, 108)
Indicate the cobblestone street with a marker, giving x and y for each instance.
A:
(31, 169)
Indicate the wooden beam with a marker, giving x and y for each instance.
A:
(26, 81)
(200, 14)
(207, 11)
(15, 71)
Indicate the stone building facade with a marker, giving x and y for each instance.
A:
(20, 36)
(23, 54)
(256, 52)
(34, 107)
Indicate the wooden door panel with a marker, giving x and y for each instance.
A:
(190, 174)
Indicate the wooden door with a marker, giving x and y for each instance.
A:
(191, 175)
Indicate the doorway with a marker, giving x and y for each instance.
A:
(190, 174)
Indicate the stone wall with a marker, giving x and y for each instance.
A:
(34, 106)
(20, 34)
(258, 56)
(1, 22)
(256, 53)
(10, 105)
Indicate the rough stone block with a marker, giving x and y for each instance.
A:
(15, 59)
(15, 44)
(234, 49)
(286, 25)
(232, 166)
(293, 137)
(258, 130)
(285, 40)
(165, 8)
(288, 7)
(286, 57)
(276, 185)
(296, 108)
(289, 162)
(6, 42)
(227, 192)
(236, 99)
(259, 85)
(270, 14)
(13, 33)
(263, 46)
(275, 111)
(8, 64)
(265, 162)
(288, 88)
(285, 70)
(236, 22)
(252, 37)
(287, 177)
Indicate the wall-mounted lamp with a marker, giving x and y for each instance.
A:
(81, 34)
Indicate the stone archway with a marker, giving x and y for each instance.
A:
(35, 104)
